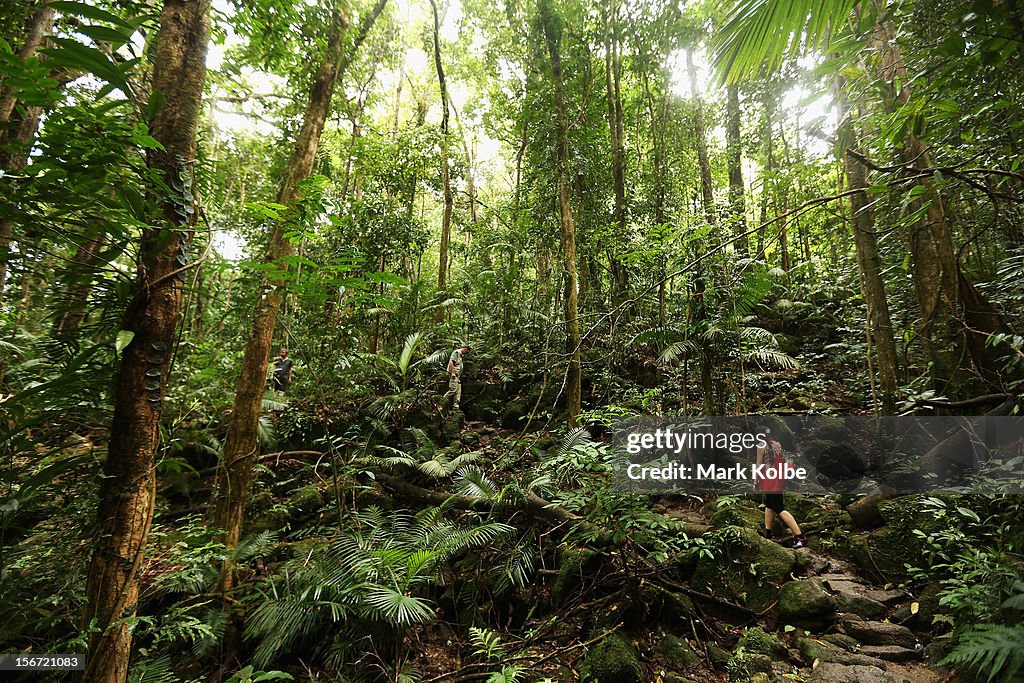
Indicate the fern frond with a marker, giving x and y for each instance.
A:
(992, 649)
(573, 438)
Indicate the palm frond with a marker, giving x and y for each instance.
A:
(475, 484)
(762, 34)
(680, 349)
(573, 438)
(398, 608)
(408, 349)
(769, 358)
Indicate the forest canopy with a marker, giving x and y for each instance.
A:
(318, 320)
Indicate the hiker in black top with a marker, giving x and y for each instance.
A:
(282, 372)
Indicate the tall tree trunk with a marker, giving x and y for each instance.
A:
(446, 219)
(470, 175)
(870, 263)
(734, 143)
(612, 71)
(951, 326)
(553, 36)
(706, 181)
(700, 309)
(241, 442)
(128, 487)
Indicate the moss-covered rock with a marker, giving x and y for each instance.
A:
(306, 500)
(757, 640)
(573, 564)
(805, 600)
(677, 653)
(613, 660)
(736, 512)
(719, 657)
(745, 568)
(743, 665)
(885, 552)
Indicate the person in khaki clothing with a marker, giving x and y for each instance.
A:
(455, 379)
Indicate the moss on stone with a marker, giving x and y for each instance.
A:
(739, 513)
(676, 652)
(745, 568)
(306, 500)
(757, 640)
(572, 564)
(613, 660)
(805, 599)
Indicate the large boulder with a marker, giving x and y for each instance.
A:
(613, 660)
(756, 639)
(805, 601)
(573, 565)
(820, 650)
(730, 511)
(743, 568)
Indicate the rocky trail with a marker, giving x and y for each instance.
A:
(732, 606)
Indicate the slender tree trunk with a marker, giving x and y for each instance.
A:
(128, 487)
(734, 142)
(76, 294)
(700, 309)
(870, 264)
(553, 36)
(612, 71)
(241, 442)
(470, 175)
(446, 219)
(706, 181)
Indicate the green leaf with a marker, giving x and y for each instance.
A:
(81, 9)
(81, 57)
(124, 338)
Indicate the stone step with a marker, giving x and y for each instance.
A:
(878, 632)
(852, 597)
(819, 650)
(831, 672)
(841, 577)
(893, 653)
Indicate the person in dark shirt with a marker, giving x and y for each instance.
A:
(455, 376)
(282, 372)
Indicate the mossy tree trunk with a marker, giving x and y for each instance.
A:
(128, 487)
(553, 37)
(734, 143)
(956, 319)
(446, 183)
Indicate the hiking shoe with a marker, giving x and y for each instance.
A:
(800, 542)
(767, 533)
